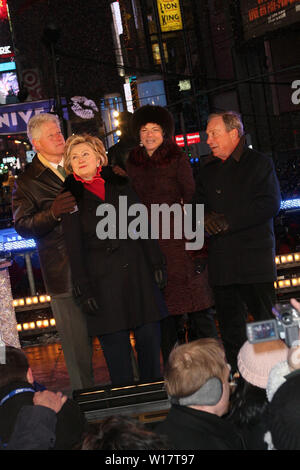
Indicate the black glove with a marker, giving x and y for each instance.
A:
(215, 223)
(63, 203)
(86, 301)
(160, 276)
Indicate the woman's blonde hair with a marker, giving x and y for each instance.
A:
(95, 144)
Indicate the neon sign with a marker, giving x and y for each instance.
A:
(3, 10)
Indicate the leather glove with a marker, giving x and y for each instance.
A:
(63, 203)
(215, 223)
(86, 301)
(160, 276)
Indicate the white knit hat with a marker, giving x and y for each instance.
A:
(255, 361)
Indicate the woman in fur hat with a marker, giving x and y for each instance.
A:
(161, 173)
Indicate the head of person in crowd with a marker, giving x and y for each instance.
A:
(197, 376)
(224, 131)
(17, 389)
(153, 126)
(255, 362)
(15, 367)
(123, 433)
(125, 124)
(46, 137)
(84, 155)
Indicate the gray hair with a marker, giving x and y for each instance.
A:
(35, 123)
(231, 119)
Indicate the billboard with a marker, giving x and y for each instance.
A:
(169, 15)
(6, 44)
(14, 117)
(9, 87)
(262, 16)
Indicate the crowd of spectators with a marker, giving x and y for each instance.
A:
(256, 409)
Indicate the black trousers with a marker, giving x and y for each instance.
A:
(233, 304)
(117, 351)
(187, 327)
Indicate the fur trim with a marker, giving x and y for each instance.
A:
(75, 187)
(163, 156)
(277, 377)
(158, 115)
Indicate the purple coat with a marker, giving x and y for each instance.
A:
(167, 177)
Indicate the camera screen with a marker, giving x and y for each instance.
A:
(262, 331)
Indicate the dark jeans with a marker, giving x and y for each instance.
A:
(117, 351)
(188, 327)
(233, 304)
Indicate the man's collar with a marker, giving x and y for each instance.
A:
(236, 154)
(47, 164)
(239, 149)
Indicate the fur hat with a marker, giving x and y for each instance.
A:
(156, 114)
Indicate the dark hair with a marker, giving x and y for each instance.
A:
(248, 404)
(123, 433)
(15, 367)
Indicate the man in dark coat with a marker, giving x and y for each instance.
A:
(196, 380)
(38, 203)
(241, 195)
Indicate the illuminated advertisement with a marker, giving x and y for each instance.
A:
(169, 15)
(262, 16)
(14, 118)
(9, 87)
(6, 45)
(193, 138)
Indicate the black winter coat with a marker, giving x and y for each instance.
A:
(190, 429)
(117, 273)
(245, 189)
(70, 425)
(33, 195)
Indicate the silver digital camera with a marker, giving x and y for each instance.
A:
(284, 326)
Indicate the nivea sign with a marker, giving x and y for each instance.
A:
(14, 117)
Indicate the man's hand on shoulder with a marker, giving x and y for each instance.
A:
(63, 203)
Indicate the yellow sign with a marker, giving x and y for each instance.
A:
(169, 15)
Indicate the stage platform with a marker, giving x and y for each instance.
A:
(147, 402)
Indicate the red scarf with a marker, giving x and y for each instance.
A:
(95, 185)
